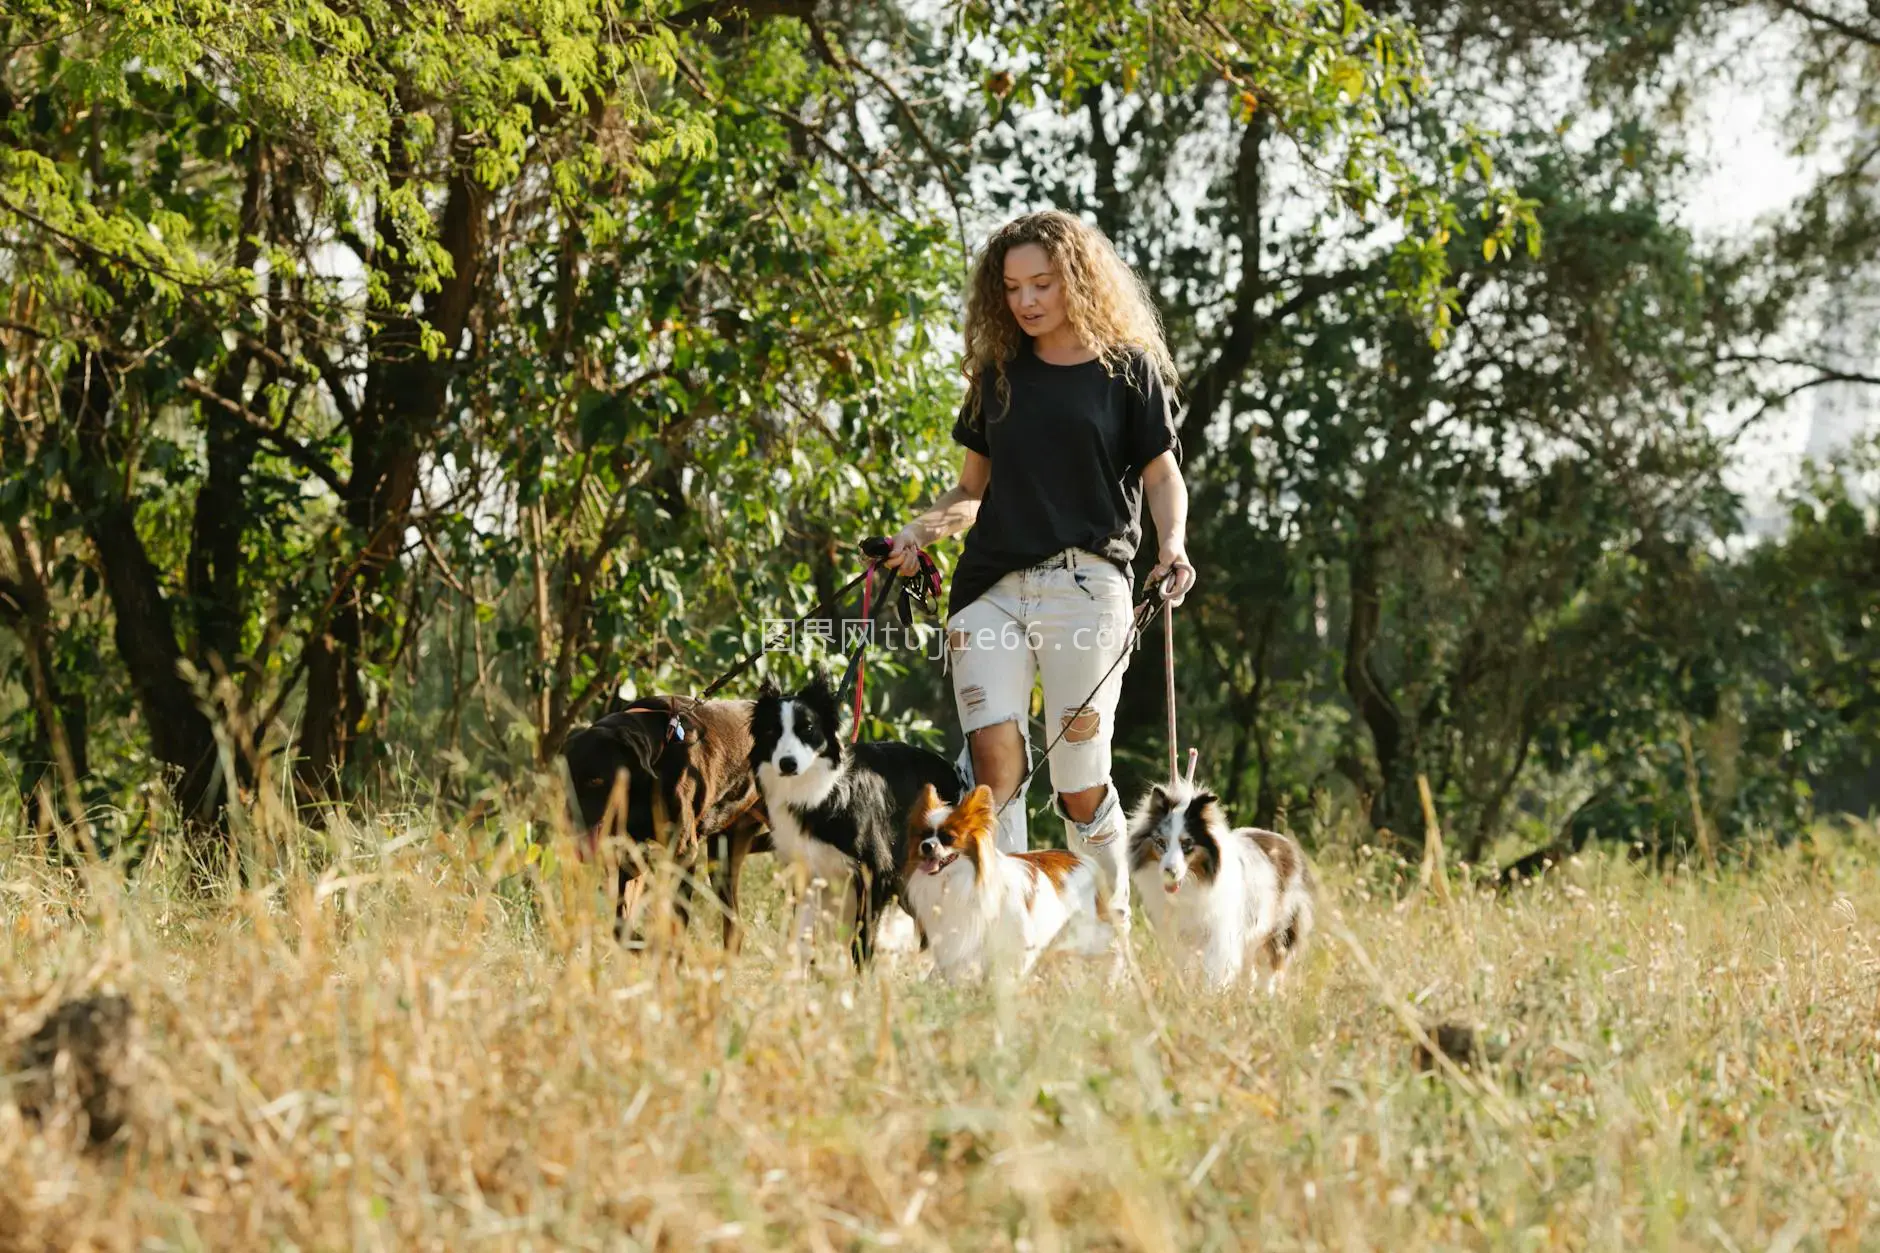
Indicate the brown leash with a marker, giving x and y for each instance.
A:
(1168, 672)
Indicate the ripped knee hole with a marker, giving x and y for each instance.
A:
(1081, 724)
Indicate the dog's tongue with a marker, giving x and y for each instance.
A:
(933, 865)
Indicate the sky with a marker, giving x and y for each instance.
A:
(1751, 173)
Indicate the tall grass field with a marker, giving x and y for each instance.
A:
(399, 1035)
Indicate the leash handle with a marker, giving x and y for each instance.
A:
(1165, 588)
(930, 583)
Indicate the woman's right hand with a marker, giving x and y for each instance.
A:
(904, 558)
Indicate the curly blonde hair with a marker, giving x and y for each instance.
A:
(1104, 301)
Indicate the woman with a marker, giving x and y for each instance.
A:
(1067, 426)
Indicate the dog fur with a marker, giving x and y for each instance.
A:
(838, 811)
(691, 793)
(985, 912)
(1219, 894)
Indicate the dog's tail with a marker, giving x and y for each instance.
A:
(641, 731)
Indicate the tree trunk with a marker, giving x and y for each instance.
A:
(213, 569)
(404, 402)
(180, 733)
(58, 759)
(1395, 806)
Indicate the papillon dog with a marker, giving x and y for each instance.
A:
(988, 912)
(1216, 893)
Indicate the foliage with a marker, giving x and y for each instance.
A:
(400, 383)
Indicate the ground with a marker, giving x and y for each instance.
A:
(402, 1041)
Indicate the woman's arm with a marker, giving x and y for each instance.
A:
(1167, 494)
(952, 513)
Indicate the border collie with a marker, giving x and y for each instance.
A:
(838, 812)
(984, 911)
(1215, 892)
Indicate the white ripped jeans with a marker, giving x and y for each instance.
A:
(1065, 619)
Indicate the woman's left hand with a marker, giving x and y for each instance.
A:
(1173, 557)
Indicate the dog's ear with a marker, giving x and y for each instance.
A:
(1203, 800)
(1158, 799)
(819, 696)
(975, 808)
(768, 689)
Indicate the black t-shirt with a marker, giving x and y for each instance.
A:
(1067, 460)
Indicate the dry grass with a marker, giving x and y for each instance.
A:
(422, 1046)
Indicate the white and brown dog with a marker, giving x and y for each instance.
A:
(987, 912)
(1215, 893)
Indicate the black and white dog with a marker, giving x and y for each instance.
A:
(838, 812)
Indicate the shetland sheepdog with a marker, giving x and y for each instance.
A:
(838, 811)
(1216, 893)
(988, 912)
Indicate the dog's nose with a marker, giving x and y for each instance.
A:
(930, 847)
(786, 765)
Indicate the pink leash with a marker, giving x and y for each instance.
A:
(861, 662)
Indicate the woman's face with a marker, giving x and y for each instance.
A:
(1033, 290)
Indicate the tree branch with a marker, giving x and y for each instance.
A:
(855, 172)
(1211, 385)
(1246, 330)
(941, 162)
(227, 287)
(1839, 25)
(335, 386)
(1826, 373)
(287, 445)
(1103, 153)
(724, 11)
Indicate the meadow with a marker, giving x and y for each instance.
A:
(398, 1039)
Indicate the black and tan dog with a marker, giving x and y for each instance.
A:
(686, 788)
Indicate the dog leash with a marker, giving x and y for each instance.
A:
(1139, 619)
(923, 589)
(1168, 671)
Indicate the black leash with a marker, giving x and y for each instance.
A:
(1145, 610)
(815, 611)
(922, 589)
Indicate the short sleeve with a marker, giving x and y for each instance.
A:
(964, 430)
(1152, 430)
